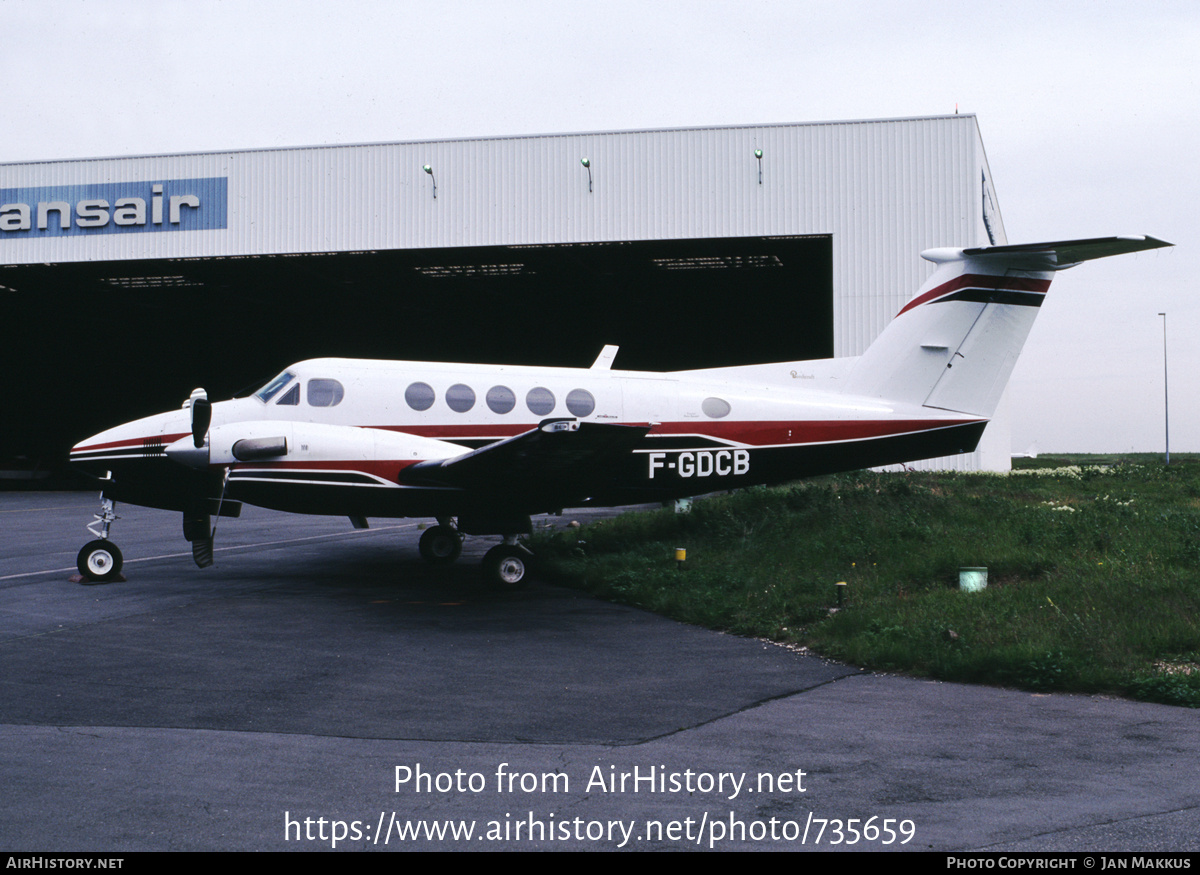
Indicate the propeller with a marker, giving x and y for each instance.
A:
(201, 416)
(194, 453)
(208, 501)
(197, 521)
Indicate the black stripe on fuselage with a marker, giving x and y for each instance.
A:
(147, 452)
(996, 296)
(626, 480)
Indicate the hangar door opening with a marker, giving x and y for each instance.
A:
(99, 343)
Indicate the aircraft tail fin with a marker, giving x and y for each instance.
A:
(954, 345)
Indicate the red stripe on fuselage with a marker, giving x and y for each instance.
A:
(978, 281)
(138, 442)
(769, 433)
(754, 433)
(477, 432)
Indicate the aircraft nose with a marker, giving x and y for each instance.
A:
(94, 455)
(121, 445)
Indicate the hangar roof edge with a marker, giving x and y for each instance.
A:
(686, 128)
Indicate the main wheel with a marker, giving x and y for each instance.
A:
(99, 560)
(440, 545)
(506, 565)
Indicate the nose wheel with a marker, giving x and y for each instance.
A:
(99, 561)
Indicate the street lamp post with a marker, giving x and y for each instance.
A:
(1166, 397)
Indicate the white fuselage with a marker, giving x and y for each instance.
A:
(351, 426)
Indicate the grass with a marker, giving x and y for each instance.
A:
(1093, 572)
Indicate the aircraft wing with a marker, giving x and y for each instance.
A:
(561, 457)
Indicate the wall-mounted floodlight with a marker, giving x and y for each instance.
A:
(429, 170)
(587, 165)
(758, 158)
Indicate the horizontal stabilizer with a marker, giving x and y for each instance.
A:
(1064, 253)
(953, 346)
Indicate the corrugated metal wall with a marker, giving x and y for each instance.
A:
(884, 190)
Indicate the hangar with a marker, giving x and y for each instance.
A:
(126, 282)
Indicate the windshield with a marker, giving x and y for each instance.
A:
(267, 392)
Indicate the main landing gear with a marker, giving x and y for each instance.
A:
(100, 561)
(441, 544)
(505, 564)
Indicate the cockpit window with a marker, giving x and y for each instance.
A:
(291, 397)
(325, 393)
(267, 392)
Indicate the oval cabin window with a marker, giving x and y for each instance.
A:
(461, 398)
(419, 396)
(715, 408)
(580, 402)
(501, 399)
(540, 401)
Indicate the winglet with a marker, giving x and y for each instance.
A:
(604, 361)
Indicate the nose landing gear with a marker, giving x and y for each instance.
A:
(100, 560)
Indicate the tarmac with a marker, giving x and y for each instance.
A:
(322, 687)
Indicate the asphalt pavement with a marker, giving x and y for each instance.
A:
(323, 687)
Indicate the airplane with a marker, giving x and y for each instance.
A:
(480, 448)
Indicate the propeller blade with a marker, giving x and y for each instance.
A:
(197, 528)
(201, 420)
(202, 552)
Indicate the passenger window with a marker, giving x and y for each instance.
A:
(291, 397)
(580, 402)
(324, 393)
(460, 398)
(501, 399)
(540, 401)
(420, 396)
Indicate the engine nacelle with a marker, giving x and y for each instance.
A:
(237, 443)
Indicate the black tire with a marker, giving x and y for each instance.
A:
(506, 565)
(440, 545)
(99, 560)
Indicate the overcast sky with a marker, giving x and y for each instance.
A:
(1088, 112)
